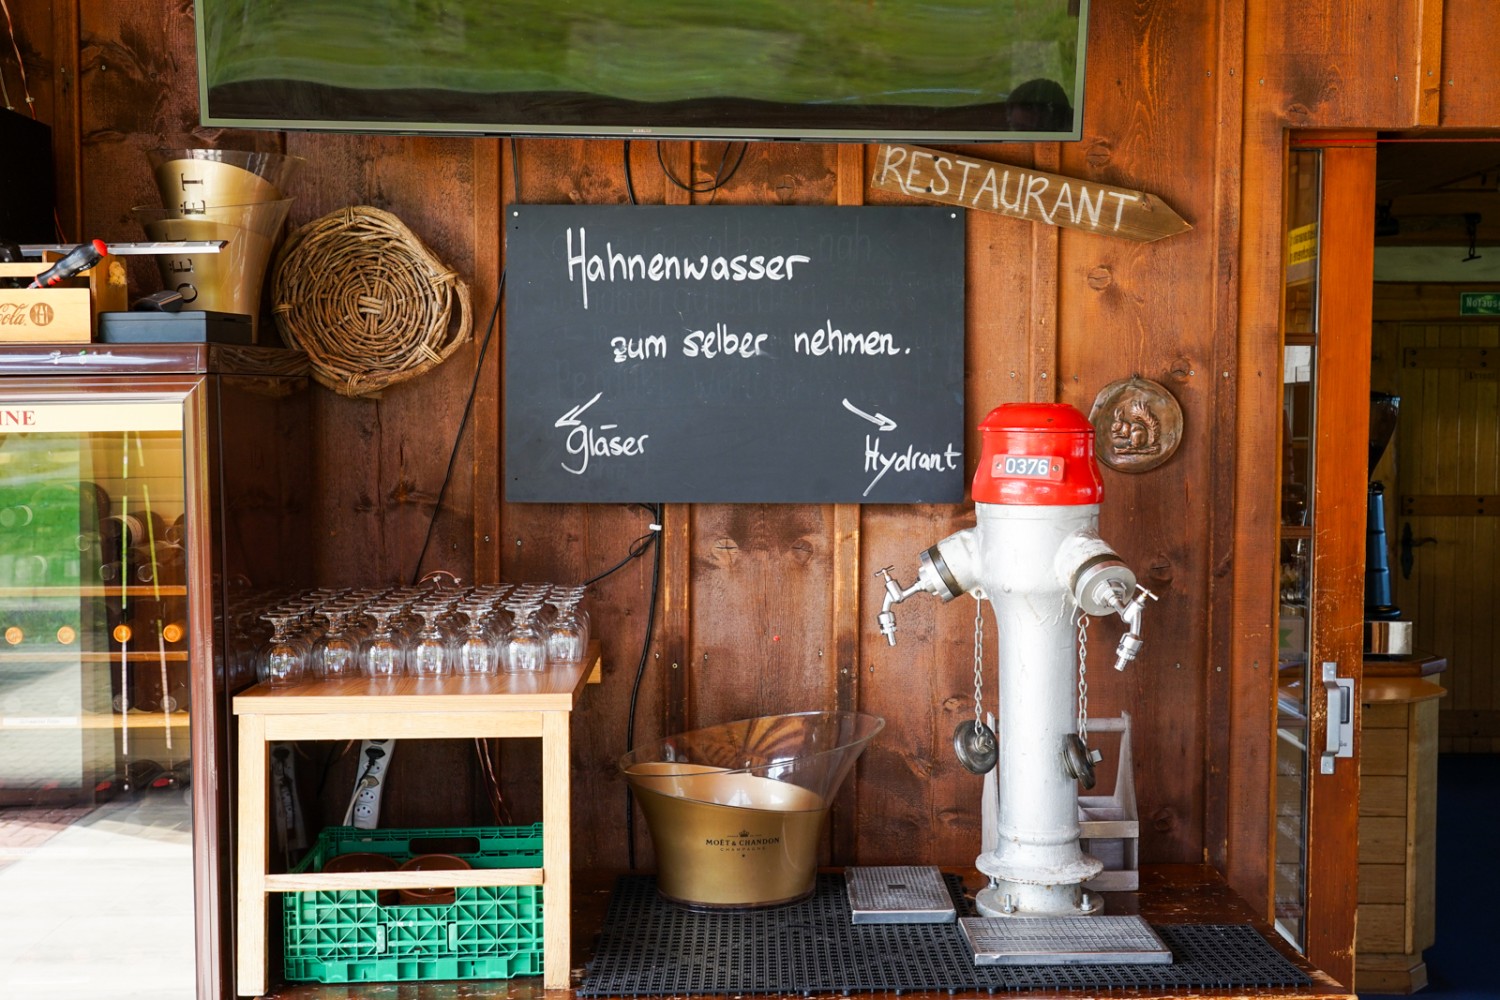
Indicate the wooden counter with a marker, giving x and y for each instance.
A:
(1412, 665)
(1397, 831)
(1168, 894)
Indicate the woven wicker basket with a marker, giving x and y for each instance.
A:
(369, 304)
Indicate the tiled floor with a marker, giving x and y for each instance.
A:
(101, 908)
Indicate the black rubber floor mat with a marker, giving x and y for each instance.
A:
(649, 947)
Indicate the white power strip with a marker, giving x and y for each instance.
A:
(374, 763)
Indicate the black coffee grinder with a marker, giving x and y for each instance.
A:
(1385, 634)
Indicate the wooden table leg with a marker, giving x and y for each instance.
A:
(254, 856)
(557, 882)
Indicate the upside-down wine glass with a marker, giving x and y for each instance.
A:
(476, 653)
(385, 654)
(284, 661)
(525, 645)
(338, 653)
(429, 652)
(568, 633)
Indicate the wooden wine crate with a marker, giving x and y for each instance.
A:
(66, 314)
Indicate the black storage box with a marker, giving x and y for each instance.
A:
(187, 327)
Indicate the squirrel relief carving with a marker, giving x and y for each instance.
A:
(1137, 425)
(1136, 432)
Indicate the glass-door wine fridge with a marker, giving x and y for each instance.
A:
(143, 491)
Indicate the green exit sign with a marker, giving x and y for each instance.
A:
(1479, 303)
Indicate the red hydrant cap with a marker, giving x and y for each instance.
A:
(1037, 454)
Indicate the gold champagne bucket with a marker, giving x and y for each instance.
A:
(219, 194)
(736, 811)
(228, 281)
(262, 217)
(191, 180)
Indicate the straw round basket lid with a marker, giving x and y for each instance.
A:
(367, 301)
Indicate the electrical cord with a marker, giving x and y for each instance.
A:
(629, 180)
(515, 169)
(640, 673)
(20, 65)
(484, 348)
(720, 177)
(637, 548)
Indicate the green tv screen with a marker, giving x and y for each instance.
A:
(877, 70)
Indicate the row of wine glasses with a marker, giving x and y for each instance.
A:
(421, 632)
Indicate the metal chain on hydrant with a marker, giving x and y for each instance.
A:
(1083, 681)
(978, 665)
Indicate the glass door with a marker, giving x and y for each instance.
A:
(1329, 246)
(96, 820)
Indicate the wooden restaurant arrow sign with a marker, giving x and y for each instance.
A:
(1023, 193)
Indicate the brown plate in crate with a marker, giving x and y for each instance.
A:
(432, 863)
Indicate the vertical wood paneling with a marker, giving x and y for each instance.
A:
(1118, 319)
(1334, 64)
(1237, 764)
(65, 117)
(848, 574)
(674, 650)
(1425, 84)
(492, 188)
(382, 460)
(1470, 73)
(915, 800)
(1257, 374)
(1042, 334)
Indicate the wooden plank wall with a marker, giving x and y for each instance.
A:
(771, 608)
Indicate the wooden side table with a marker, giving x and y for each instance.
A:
(357, 708)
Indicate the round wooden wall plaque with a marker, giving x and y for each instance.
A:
(1137, 424)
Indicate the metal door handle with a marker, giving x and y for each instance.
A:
(1340, 721)
(1408, 543)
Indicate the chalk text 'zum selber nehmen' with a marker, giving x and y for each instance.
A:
(612, 266)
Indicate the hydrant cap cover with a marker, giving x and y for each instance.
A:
(1037, 454)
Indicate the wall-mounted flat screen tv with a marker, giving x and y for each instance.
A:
(877, 70)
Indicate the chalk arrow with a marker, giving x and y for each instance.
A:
(880, 420)
(570, 419)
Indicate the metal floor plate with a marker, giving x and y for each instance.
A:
(649, 947)
(1101, 940)
(899, 894)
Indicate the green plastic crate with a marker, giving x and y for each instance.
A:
(487, 932)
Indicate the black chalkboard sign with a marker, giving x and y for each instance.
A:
(734, 354)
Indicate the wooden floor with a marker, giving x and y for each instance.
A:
(1181, 894)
